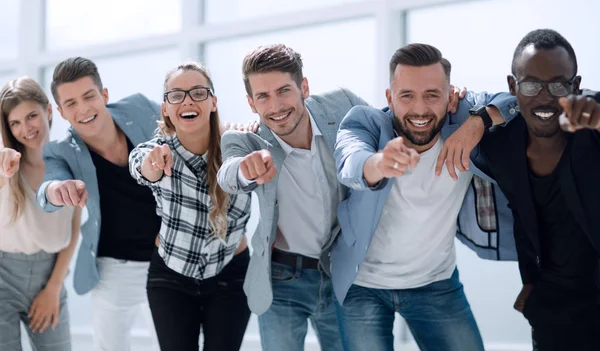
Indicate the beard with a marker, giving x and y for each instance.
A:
(295, 119)
(419, 138)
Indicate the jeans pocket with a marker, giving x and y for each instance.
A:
(281, 273)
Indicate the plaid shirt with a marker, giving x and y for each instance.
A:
(187, 244)
(486, 205)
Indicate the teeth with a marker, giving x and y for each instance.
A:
(279, 118)
(418, 123)
(30, 136)
(87, 120)
(544, 115)
(189, 114)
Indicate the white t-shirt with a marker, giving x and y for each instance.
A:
(413, 244)
(308, 194)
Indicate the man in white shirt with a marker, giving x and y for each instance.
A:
(289, 165)
(396, 250)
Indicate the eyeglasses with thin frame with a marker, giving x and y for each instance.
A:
(557, 89)
(177, 96)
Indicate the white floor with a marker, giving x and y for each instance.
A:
(82, 340)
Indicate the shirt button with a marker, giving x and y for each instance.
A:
(356, 269)
(512, 111)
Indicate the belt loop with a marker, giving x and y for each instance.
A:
(298, 265)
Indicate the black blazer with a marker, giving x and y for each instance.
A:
(504, 149)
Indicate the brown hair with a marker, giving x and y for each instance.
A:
(72, 69)
(217, 218)
(271, 58)
(418, 55)
(13, 93)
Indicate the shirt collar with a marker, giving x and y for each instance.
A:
(287, 148)
(188, 156)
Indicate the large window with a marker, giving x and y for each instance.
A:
(125, 75)
(75, 23)
(9, 15)
(5, 77)
(235, 10)
(327, 64)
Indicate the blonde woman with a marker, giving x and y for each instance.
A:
(196, 274)
(35, 247)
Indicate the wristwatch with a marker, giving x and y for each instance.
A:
(482, 112)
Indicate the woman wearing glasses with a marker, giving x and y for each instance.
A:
(196, 274)
(35, 247)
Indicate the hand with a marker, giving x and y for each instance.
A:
(580, 112)
(523, 295)
(9, 162)
(45, 309)
(258, 166)
(250, 126)
(159, 160)
(390, 162)
(457, 94)
(457, 148)
(67, 193)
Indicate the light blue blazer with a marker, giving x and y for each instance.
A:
(366, 130)
(70, 158)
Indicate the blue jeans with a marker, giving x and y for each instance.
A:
(437, 314)
(299, 295)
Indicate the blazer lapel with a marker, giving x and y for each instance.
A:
(327, 124)
(570, 192)
(516, 169)
(134, 133)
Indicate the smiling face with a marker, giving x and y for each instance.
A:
(418, 97)
(29, 123)
(279, 101)
(83, 105)
(189, 116)
(544, 66)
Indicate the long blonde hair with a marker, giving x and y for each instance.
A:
(217, 218)
(13, 93)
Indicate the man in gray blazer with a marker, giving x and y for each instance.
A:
(289, 164)
(89, 168)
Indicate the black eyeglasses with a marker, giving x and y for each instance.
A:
(557, 89)
(176, 96)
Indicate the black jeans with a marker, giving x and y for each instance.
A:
(181, 306)
(563, 320)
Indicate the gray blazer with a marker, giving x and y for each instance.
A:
(70, 159)
(327, 110)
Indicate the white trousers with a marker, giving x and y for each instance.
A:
(116, 301)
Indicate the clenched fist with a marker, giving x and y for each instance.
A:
(258, 166)
(580, 112)
(9, 162)
(159, 160)
(390, 162)
(67, 193)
